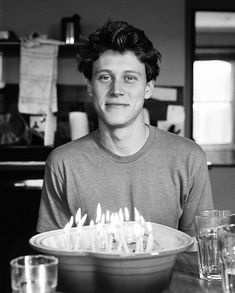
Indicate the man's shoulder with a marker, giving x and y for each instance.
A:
(72, 149)
(177, 144)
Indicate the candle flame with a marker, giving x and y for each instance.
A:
(137, 215)
(83, 220)
(142, 220)
(112, 218)
(102, 219)
(98, 213)
(149, 227)
(78, 216)
(127, 216)
(107, 216)
(121, 217)
(69, 224)
(92, 224)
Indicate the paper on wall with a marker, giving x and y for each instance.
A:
(175, 113)
(164, 94)
(174, 120)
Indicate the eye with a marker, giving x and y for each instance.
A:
(130, 78)
(105, 78)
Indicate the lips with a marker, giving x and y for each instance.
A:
(116, 104)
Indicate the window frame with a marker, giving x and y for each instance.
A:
(209, 55)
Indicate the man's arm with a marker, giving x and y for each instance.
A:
(199, 198)
(53, 211)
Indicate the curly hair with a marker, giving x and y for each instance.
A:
(122, 37)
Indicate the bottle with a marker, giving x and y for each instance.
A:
(70, 29)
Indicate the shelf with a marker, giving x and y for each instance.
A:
(12, 49)
(24, 153)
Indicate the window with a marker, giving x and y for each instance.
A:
(213, 100)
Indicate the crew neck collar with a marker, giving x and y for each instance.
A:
(126, 159)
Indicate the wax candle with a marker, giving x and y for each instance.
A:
(137, 233)
(92, 236)
(150, 240)
(149, 246)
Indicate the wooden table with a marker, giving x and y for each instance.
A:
(186, 278)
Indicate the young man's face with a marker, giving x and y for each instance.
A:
(118, 88)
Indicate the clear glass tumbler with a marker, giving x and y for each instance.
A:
(34, 274)
(226, 247)
(206, 223)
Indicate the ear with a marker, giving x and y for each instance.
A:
(149, 89)
(89, 88)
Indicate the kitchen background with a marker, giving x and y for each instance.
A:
(164, 21)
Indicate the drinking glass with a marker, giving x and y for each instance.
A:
(226, 247)
(206, 223)
(34, 274)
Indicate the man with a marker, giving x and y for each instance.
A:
(124, 163)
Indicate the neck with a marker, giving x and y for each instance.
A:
(124, 141)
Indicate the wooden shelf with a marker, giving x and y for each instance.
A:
(12, 49)
(24, 153)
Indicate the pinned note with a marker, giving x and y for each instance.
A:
(175, 113)
(164, 94)
(174, 120)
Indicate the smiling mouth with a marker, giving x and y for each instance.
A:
(116, 105)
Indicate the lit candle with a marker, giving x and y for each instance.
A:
(107, 216)
(127, 216)
(122, 239)
(121, 217)
(150, 241)
(80, 222)
(92, 235)
(67, 230)
(78, 216)
(98, 213)
(83, 220)
(137, 233)
(137, 215)
(142, 224)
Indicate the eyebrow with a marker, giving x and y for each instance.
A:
(125, 71)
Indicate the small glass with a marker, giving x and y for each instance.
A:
(206, 223)
(226, 247)
(34, 274)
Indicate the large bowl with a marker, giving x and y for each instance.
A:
(89, 272)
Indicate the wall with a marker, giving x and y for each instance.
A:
(162, 20)
(223, 187)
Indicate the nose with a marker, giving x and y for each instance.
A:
(116, 89)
